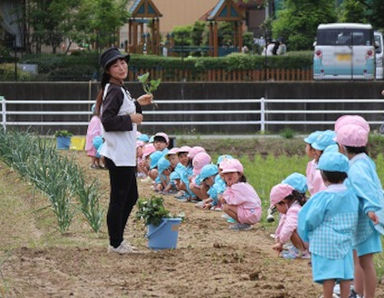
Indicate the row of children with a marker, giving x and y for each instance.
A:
(340, 224)
(190, 174)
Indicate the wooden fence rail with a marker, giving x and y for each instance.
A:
(221, 75)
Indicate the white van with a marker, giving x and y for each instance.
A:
(379, 54)
(344, 51)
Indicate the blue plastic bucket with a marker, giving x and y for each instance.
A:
(164, 236)
(63, 142)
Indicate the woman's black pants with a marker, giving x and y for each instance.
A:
(123, 197)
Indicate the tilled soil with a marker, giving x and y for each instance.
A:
(210, 261)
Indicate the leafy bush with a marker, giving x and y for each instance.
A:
(7, 73)
(152, 211)
(84, 66)
(287, 133)
(63, 133)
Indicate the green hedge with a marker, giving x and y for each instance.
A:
(84, 65)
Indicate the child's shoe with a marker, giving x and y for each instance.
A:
(270, 212)
(240, 227)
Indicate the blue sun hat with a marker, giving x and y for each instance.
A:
(154, 159)
(297, 181)
(174, 176)
(324, 140)
(207, 171)
(312, 137)
(331, 148)
(333, 162)
(223, 157)
(163, 164)
(143, 137)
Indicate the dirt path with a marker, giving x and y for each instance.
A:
(210, 261)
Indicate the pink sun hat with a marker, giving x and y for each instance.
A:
(352, 119)
(139, 144)
(231, 166)
(194, 150)
(279, 192)
(199, 161)
(148, 149)
(184, 149)
(352, 135)
(172, 151)
(162, 135)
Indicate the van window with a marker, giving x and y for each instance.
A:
(342, 36)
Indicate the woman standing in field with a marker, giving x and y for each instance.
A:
(120, 115)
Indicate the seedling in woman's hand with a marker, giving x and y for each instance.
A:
(149, 87)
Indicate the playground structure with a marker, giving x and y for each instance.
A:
(144, 12)
(225, 11)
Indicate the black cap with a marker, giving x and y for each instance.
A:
(111, 55)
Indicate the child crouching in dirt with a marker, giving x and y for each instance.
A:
(288, 202)
(205, 180)
(328, 221)
(239, 200)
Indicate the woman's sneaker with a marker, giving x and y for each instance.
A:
(123, 248)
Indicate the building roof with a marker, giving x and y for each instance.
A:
(224, 10)
(144, 9)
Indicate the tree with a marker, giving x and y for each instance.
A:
(98, 21)
(298, 21)
(352, 11)
(374, 9)
(44, 20)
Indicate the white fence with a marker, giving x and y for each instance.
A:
(261, 111)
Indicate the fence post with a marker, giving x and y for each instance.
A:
(3, 112)
(262, 115)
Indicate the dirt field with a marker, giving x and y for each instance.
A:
(210, 261)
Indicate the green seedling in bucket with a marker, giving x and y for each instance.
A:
(149, 87)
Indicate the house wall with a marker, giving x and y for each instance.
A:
(176, 13)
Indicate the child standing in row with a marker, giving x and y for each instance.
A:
(328, 222)
(239, 200)
(352, 137)
(93, 131)
(288, 202)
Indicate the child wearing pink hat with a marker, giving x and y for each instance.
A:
(239, 200)
(93, 130)
(365, 183)
(200, 160)
(288, 202)
(143, 164)
(139, 158)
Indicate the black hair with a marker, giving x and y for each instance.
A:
(159, 139)
(297, 196)
(356, 150)
(99, 99)
(333, 177)
(243, 178)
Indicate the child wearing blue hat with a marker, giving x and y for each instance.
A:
(328, 221)
(319, 141)
(206, 178)
(164, 171)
